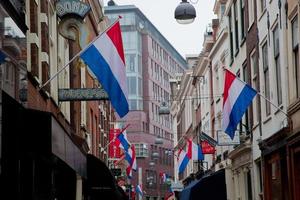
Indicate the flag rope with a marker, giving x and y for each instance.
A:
(78, 54)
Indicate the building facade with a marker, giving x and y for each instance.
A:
(150, 62)
(258, 41)
(50, 148)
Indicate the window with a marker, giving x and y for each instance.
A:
(266, 77)
(130, 61)
(248, 185)
(141, 150)
(140, 87)
(231, 35)
(250, 12)
(277, 64)
(133, 104)
(247, 114)
(259, 176)
(236, 26)
(132, 85)
(243, 29)
(255, 85)
(262, 5)
(295, 46)
(222, 8)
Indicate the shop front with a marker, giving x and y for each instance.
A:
(274, 156)
(39, 158)
(206, 187)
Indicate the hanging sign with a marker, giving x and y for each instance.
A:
(225, 140)
(114, 150)
(72, 7)
(207, 148)
(210, 140)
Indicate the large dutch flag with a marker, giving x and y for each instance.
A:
(183, 160)
(194, 151)
(105, 58)
(237, 97)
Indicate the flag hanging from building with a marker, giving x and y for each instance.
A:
(237, 97)
(2, 57)
(163, 176)
(105, 58)
(194, 151)
(139, 190)
(124, 143)
(183, 160)
(131, 159)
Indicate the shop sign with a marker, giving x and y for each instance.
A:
(80, 94)
(210, 140)
(225, 140)
(114, 150)
(74, 7)
(207, 148)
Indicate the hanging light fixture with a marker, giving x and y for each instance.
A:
(185, 13)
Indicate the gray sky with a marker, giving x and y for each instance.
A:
(187, 39)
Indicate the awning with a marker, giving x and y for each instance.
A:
(43, 135)
(186, 192)
(100, 181)
(211, 187)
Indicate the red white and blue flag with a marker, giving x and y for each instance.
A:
(131, 159)
(237, 97)
(183, 160)
(139, 190)
(194, 151)
(105, 58)
(124, 143)
(164, 177)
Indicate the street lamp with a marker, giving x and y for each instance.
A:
(185, 13)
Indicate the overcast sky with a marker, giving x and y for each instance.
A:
(187, 39)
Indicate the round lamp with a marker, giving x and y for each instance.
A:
(185, 13)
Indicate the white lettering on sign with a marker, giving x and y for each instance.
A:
(71, 7)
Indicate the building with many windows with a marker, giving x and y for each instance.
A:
(151, 61)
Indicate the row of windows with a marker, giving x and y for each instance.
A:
(159, 93)
(141, 149)
(160, 54)
(161, 133)
(162, 119)
(165, 156)
(159, 74)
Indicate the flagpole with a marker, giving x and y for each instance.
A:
(78, 54)
(268, 100)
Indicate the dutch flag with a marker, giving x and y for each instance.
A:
(131, 159)
(237, 97)
(194, 151)
(183, 160)
(138, 190)
(105, 58)
(124, 143)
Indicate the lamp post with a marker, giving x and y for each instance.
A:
(185, 13)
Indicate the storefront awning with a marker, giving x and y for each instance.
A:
(46, 137)
(211, 187)
(100, 181)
